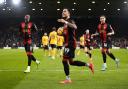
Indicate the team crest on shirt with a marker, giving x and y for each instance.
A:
(102, 30)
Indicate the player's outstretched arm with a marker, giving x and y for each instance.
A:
(95, 34)
(70, 24)
(111, 31)
(35, 27)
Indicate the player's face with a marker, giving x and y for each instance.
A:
(27, 18)
(45, 34)
(102, 19)
(87, 31)
(65, 13)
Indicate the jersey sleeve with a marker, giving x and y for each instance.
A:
(34, 27)
(110, 29)
(97, 30)
(72, 24)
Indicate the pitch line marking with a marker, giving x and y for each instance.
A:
(56, 70)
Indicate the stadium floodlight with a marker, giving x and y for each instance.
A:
(58, 2)
(118, 9)
(58, 9)
(16, 2)
(125, 2)
(2, 1)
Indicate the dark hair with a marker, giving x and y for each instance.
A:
(54, 28)
(68, 10)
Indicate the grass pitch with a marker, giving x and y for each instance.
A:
(50, 72)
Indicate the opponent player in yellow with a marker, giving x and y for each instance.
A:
(81, 45)
(45, 42)
(60, 41)
(53, 42)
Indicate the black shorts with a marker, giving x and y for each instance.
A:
(81, 47)
(88, 47)
(106, 45)
(69, 52)
(59, 47)
(28, 47)
(52, 46)
(45, 47)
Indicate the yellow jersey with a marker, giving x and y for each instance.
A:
(53, 37)
(60, 40)
(45, 40)
(82, 40)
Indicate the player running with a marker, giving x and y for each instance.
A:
(81, 45)
(45, 42)
(25, 31)
(70, 45)
(105, 31)
(60, 41)
(87, 39)
(53, 42)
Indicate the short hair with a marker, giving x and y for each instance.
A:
(67, 10)
(103, 16)
(54, 28)
(27, 16)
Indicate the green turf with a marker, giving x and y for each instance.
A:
(50, 72)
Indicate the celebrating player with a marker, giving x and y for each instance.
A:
(70, 45)
(53, 42)
(105, 31)
(45, 41)
(87, 38)
(25, 31)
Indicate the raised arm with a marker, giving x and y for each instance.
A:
(110, 31)
(70, 24)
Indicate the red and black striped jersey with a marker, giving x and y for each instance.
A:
(26, 30)
(69, 34)
(103, 30)
(87, 38)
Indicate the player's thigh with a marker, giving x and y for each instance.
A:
(85, 49)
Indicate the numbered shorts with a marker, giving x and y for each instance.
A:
(69, 53)
(28, 47)
(106, 45)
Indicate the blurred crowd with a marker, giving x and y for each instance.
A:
(12, 39)
(9, 31)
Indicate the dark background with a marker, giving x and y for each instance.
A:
(47, 18)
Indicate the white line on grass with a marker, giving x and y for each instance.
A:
(56, 70)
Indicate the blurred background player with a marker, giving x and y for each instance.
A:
(45, 42)
(25, 31)
(69, 32)
(81, 45)
(53, 42)
(87, 39)
(60, 41)
(105, 31)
